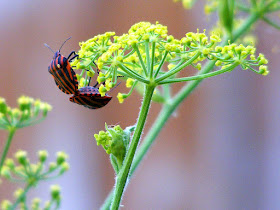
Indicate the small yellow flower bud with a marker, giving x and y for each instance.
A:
(120, 97)
(35, 203)
(146, 37)
(187, 4)
(262, 61)
(10, 163)
(16, 112)
(24, 102)
(263, 70)
(119, 58)
(129, 82)
(214, 38)
(5, 172)
(108, 84)
(55, 192)
(47, 205)
(102, 90)
(45, 107)
(198, 66)
(52, 166)
(64, 167)
(90, 73)
(43, 155)
(82, 82)
(170, 66)
(205, 51)
(101, 78)
(21, 157)
(253, 57)
(61, 157)
(218, 63)
(18, 193)
(3, 105)
(6, 205)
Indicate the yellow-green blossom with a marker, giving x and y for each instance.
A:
(142, 54)
(121, 97)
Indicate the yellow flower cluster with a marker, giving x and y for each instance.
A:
(245, 56)
(140, 55)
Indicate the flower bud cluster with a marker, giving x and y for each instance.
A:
(20, 196)
(32, 173)
(27, 113)
(115, 141)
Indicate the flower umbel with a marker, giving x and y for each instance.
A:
(142, 54)
(31, 174)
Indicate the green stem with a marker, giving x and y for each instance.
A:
(141, 61)
(122, 176)
(132, 74)
(267, 7)
(275, 9)
(147, 50)
(27, 188)
(200, 76)
(161, 63)
(152, 60)
(12, 131)
(176, 70)
(168, 109)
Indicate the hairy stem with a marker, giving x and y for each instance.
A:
(122, 176)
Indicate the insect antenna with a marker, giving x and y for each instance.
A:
(64, 43)
(49, 47)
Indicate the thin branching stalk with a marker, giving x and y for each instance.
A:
(12, 131)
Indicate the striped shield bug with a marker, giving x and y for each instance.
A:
(64, 76)
(90, 97)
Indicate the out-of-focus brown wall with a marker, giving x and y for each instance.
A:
(218, 152)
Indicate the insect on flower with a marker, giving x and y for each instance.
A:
(66, 80)
(60, 68)
(90, 97)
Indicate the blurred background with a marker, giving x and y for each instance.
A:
(220, 151)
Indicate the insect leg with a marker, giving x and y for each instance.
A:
(72, 53)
